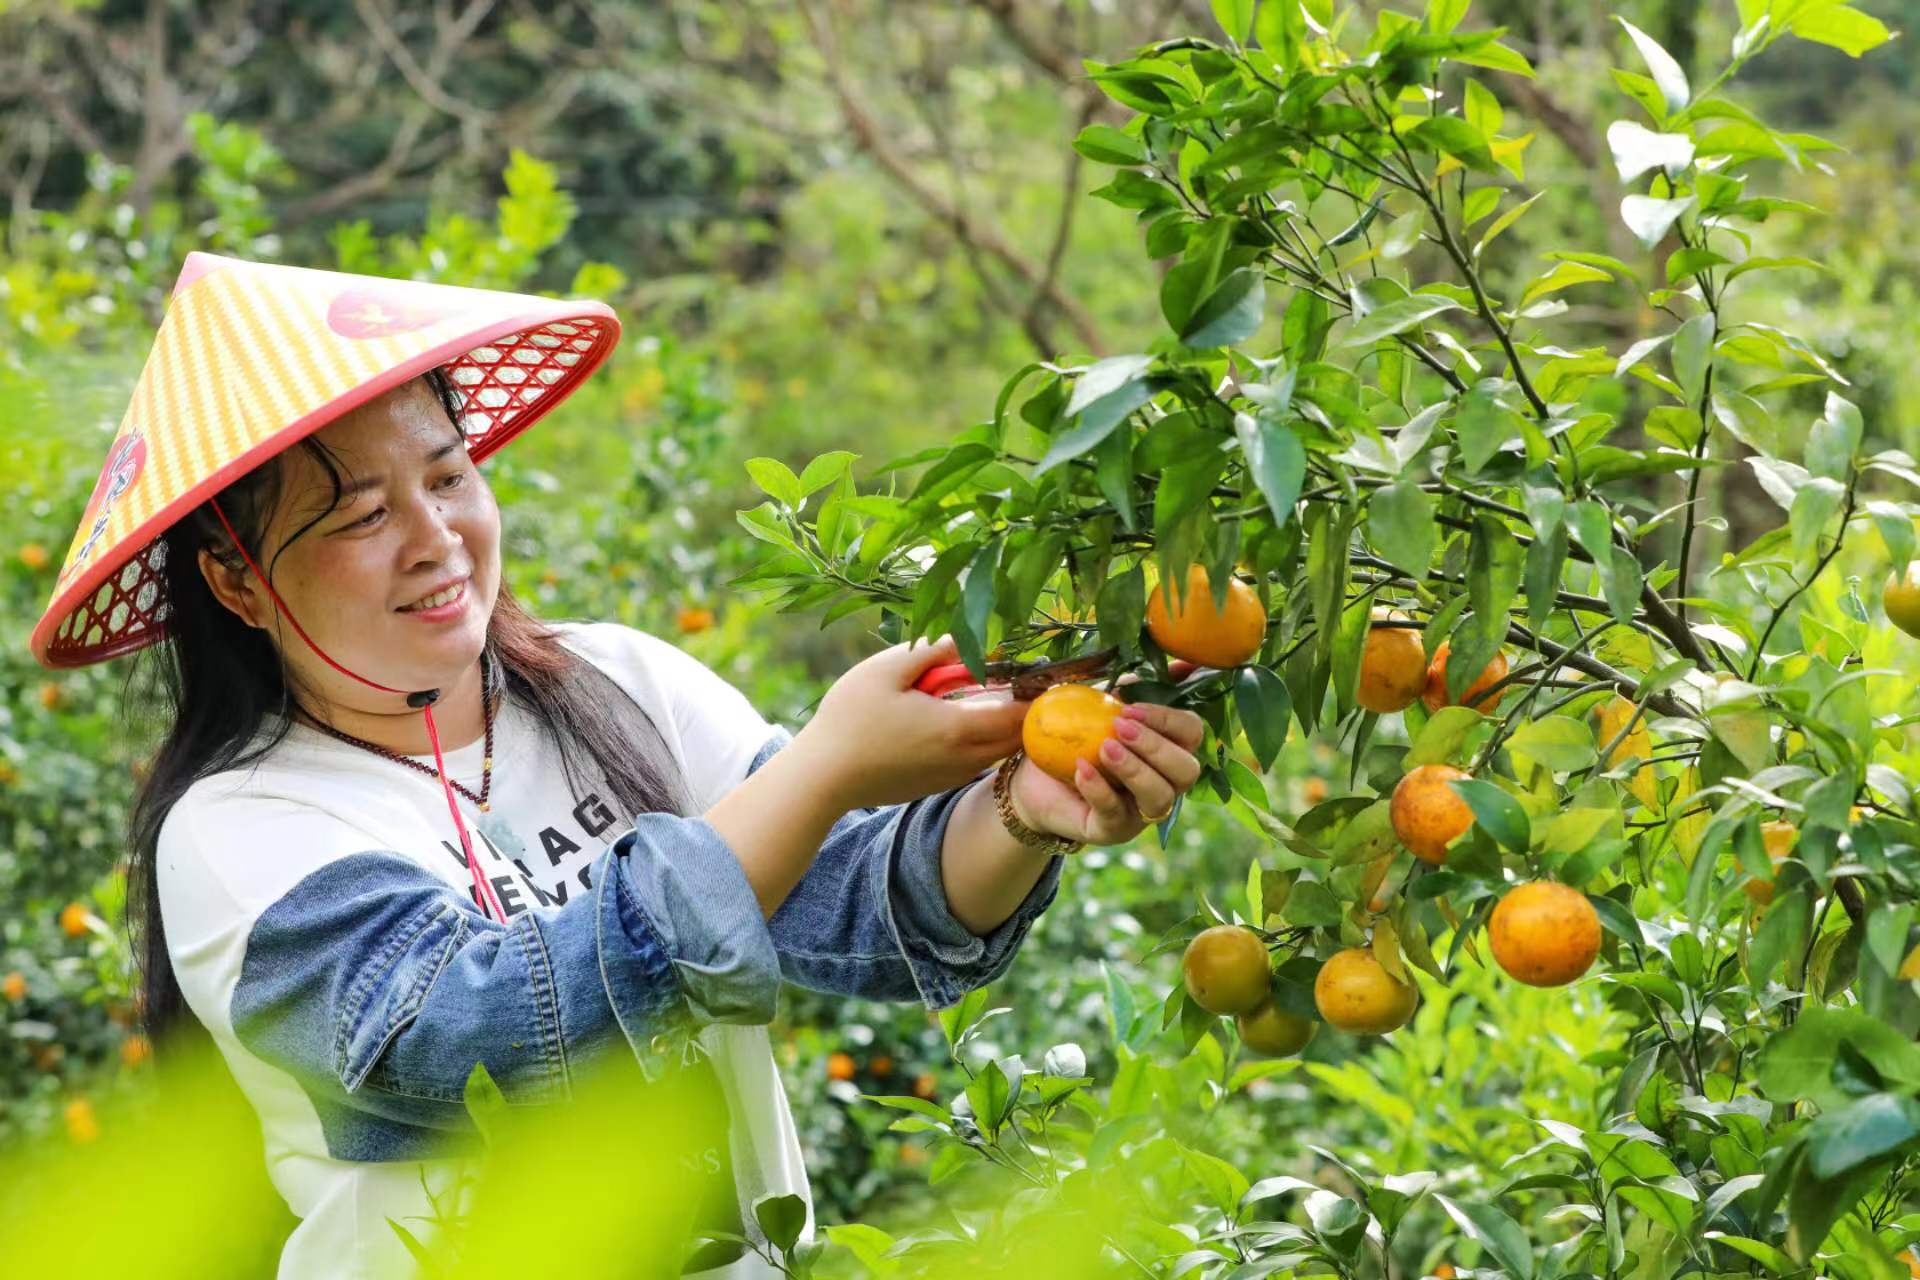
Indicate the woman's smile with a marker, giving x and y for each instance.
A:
(442, 605)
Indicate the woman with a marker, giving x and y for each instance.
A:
(399, 827)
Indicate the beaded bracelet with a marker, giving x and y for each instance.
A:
(1003, 800)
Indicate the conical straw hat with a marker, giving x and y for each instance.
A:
(251, 358)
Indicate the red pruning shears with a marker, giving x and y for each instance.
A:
(1027, 680)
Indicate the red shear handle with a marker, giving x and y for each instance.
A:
(940, 681)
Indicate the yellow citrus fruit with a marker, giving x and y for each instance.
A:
(82, 1126)
(1902, 599)
(135, 1050)
(50, 695)
(1435, 695)
(14, 986)
(1427, 813)
(1355, 993)
(1544, 934)
(1067, 724)
(34, 556)
(1612, 716)
(73, 920)
(1393, 666)
(1198, 632)
(1272, 1032)
(839, 1066)
(1910, 967)
(1226, 969)
(694, 619)
(1778, 837)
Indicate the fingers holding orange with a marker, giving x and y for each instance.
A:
(1066, 725)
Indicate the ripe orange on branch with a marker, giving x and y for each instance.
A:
(1198, 632)
(1435, 695)
(1427, 813)
(1902, 599)
(1067, 724)
(1393, 665)
(1355, 993)
(1778, 837)
(1544, 934)
(1226, 969)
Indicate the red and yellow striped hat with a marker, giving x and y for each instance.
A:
(251, 358)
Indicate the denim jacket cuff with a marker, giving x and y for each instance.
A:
(692, 890)
(948, 959)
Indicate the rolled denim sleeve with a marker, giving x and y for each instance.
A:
(870, 918)
(379, 986)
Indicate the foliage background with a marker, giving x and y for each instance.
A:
(826, 226)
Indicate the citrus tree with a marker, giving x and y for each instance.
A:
(1378, 482)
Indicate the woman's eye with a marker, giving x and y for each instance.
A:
(452, 481)
(366, 520)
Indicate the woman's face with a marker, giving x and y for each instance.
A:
(416, 523)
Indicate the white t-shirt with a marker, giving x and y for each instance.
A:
(237, 842)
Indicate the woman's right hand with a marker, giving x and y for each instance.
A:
(881, 741)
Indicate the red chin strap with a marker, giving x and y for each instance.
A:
(422, 699)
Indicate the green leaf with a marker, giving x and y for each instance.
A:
(1483, 425)
(777, 480)
(1842, 27)
(1493, 567)
(1875, 1126)
(1692, 354)
(1104, 144)
(1546, 556)
(1495, 1232)
(1265, 707)
(977, 597)
(1498, 813)
(1564, 275)
(1276, 458)
(1396, 317)
(1506, 220)
(1440, 739)
(1560, 743)
(1799, 1062)
(1450, 135)
(1650, 218)
(781, 1219)
(1400, 525)
(991, 1094)
(1637, 149)
(1667, 75)
(1834, 439)
(1235, 18)
(1814, 504)
(1231, 313)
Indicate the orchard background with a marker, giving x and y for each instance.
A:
(1576, 341)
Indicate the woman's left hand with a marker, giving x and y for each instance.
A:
(1140, 776)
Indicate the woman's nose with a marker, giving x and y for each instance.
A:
(435, 537)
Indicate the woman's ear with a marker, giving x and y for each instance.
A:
(229, 587)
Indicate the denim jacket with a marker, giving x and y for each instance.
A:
(378, 985)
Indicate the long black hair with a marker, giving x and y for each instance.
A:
(218, 682)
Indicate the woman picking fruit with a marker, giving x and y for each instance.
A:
(399, 828)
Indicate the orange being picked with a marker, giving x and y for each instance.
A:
(1272, 1032)
(1544, 934)
(1197, 631)
(1778, 837)
(1427, 813)
(1226, 969)
(1067, 724)
(1902, 599)
(1393, 666)
(1435, 695)
(1355, 993)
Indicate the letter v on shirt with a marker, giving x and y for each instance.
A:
(321, 924)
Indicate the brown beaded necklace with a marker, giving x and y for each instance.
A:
(486, 760)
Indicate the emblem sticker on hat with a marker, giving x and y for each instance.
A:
(123, 468)
(381, 313)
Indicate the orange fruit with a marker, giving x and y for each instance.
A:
(1444, 1271)
(1910, 967)
(924, 1086)
(1612, 716)
(46, 1056)
(694, 619)
(81, 1124)
(1902, 599)
(1778, 837)
(14, 986)
(1272, 1032)
(135, 1050)
(8, 774)
(880, 1065)
(1435, 695)
(1544, 934)
(34, 556)
(49, 695)
(1355, 993)
(1226, 969)
(1067, 724)
(73, 920)
(1199, 633)
(840, 1066)
(1427, 813)
(1393, 666)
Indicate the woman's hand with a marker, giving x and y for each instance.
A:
(881, 741)
(1145, 765)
